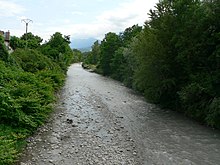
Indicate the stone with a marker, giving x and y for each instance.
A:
(74, 125)
(69, 121)
(50, 161)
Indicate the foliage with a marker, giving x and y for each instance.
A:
(8, 151)
(16, 42)
(25, 41)
(108, 46)
(55, 78)
(3, 50)
(24, 99)
(32, 41)
(32, 60)
(58, 49)
(93, 56)
(130, 33)
(173, 60)
(28, 81)
(11, 143)
(77, 56)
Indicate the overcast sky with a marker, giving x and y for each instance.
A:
(78, 18)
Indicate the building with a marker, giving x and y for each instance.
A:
(6, 36)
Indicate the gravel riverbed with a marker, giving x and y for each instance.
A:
(98, 121)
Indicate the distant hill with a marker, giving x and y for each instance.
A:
(85, 49)
(82, 44)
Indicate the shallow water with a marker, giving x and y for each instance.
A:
(117, 126)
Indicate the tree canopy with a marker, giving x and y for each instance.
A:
(173, 59)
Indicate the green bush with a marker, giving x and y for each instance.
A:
(11, 142)
(214, 113)
(194, 99)
(32, 60)
(25, 102)
(28, 82)
(53, 77)
(8, 151)
(24, 99)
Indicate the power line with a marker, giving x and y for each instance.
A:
(26, 21)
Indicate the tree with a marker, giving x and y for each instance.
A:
(3, 50)
(16, 42)
(95, 52)
(108, 46)
(58, 49)
(77, 55)
(129, 33)
(119, 63)
(33, 41)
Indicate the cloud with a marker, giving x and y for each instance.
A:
(8, 9)
(116, 20)
(132, 12)
(77, 13)
(126, 14)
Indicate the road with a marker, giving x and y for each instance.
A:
(101, 122)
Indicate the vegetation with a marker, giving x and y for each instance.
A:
(28, 81)
(174, 60)
(58, 49)
(77, 56)
(27, 40)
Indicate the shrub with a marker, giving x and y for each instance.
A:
(24, 99)
(32, 60)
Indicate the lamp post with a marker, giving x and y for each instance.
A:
(26, 21)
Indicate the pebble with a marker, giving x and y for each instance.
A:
(74, 125)
(86, 146)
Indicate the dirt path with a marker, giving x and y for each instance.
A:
(99, 121)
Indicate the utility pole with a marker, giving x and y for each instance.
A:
(26, 21)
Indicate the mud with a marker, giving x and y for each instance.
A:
(99, 121)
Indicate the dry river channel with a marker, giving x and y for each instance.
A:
(98, 121)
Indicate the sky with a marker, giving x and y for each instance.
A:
(80, 19)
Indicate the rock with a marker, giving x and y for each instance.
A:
(50, 161)
(30, 139)
(110, 132)
(117, 129)
(69, 121)
(23, 163)
(134, 152)
(74, 125)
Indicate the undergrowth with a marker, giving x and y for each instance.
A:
(28, 82)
